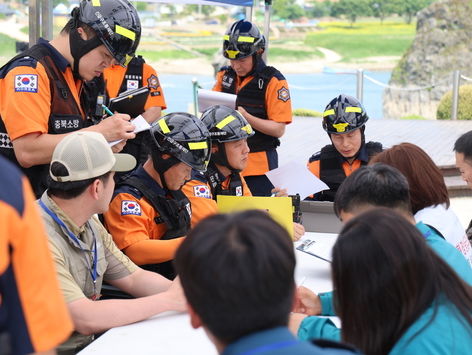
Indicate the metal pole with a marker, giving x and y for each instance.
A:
(34, 21)
(456, 78)
(360, 85)
(249, 12)
(195, 88)
(268, 9)
(46, 19)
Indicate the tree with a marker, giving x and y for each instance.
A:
(321, 9)
(383, 8)
(352, 9)
(287, 9)
(409, 8)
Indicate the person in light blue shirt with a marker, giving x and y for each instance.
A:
(394, 294)
(370, 187)
(237, 273)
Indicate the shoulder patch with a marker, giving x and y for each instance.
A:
(26, 83)
(283, 94)
(130, 207)
(153, 82)
(202, 191)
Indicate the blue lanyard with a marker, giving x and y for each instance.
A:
(93, 268)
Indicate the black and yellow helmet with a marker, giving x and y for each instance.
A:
(116, 24)
(344, 114)
(226, 124)
(184, 137)
(241, 40)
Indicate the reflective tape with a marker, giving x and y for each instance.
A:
(96, 3)
(125, 32)
(353, 109)
(246, 39)
(164, 127)
(225, 121)
(226, 37)
(197, 145)
(328, 112)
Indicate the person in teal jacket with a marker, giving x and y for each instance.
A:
(371, 187)
(394, 294)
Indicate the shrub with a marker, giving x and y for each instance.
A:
(304, 112)
(464, 111)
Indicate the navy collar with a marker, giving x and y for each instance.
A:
(57, 57)
(148, 180)
(363, 154)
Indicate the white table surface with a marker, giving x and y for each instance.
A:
(170, 333)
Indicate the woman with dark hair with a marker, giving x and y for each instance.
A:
(428, 193)
(394, 295)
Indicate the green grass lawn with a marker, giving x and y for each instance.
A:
(363, 39)
(7, 48)
(275, 53)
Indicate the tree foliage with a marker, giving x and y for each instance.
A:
(287, 9)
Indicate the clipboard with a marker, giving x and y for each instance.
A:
(319, 247)
(131, 102)
(280, 208)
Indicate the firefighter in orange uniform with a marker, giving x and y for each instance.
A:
(33, 314)
(263, 98)
(116, 80)
(149, 215)
(344, 120)
(229, 132)
(40, 88)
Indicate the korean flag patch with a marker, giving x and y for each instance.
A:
(132, 84)
(202, 191)
(26, 83)
(130, 207)
(239, 190)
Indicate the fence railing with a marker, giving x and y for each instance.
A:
(361, 76)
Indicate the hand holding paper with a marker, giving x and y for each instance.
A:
(140, 125)
(296, 178)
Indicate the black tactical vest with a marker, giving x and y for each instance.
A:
(213, 177)
(65, 116)
(252, 98)
(174, 213)
(331, 170)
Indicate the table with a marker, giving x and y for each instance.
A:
(170, 333)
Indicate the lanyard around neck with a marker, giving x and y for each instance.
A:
(93, 268)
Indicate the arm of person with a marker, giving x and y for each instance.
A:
(136, 232)
(152, 251)
(269, 127)
(279, 109)
(199, 195)
(312, 327)
(97, 316)
(37, 148)
(152, 114)
(142, 283)
(155, 102)
(309, 303)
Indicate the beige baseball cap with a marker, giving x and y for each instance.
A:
(86, 155)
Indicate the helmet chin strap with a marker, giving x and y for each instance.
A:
(79, 47)
(220, 158)
(161, 165)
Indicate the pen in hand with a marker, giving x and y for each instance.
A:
(107, 110)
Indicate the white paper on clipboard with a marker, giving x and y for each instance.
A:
(207, 98)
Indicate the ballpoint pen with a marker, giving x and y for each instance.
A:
(107, 110)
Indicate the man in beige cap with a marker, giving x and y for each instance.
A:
(80, 186)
